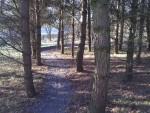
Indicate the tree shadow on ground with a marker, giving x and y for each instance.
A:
(82, 85)
(57, 88)
(130, 96)
(48, 48)
(122, 97)
(58, 63)
(67, 46)
(12, 92)
(55, 96)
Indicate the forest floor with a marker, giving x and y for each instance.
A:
(57, 91)
(62, 90)
(130, 97)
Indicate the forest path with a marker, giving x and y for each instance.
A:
(57, 91)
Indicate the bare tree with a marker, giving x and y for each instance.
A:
(38, 32)
(141, 30)
(148, 24)
(33, 27)
(89, 25)
(117, 27)
(73, 27)
(102, 56)
(81, 47)
(28, 79)
(130, 48)
(122, 24)
(59, 29)
(62, 27)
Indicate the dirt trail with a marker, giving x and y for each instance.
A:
(57, 91)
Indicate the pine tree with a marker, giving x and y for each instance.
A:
(25, 32)
(102, 56)
(130, 48)
(81, 47)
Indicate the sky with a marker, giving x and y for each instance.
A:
(44, 32)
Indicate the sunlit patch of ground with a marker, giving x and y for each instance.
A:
(132, 97)
(82, 84)
(12, 91)
(57, 88)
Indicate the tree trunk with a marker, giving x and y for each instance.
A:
(89, 25)
(50, 33)
(122, 25)
(62, 38)
(130, 48)
(38, 30)
(59, 31)
(116, 39)
(62, 27)
(2, 5)
(117, 29)
(148, 25)
(33, 27)
(81, 47)
(33, 45)
(141, 30)
(102, 56)
(25, 32)
(73, 29)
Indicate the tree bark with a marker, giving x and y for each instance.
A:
(148, 25)
(2, 6)
(122, 24)
(130, 48)
(25, 32)
(59, 31)
(50, 33)
(117, 29)
(89, 25)
(33, 27)
(81, 47)
(116, 39)
(38, 31)
(62, 27)
(102, 56)
(73, 29)
(141, 30)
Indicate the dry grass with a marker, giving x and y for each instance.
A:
(12, 92)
